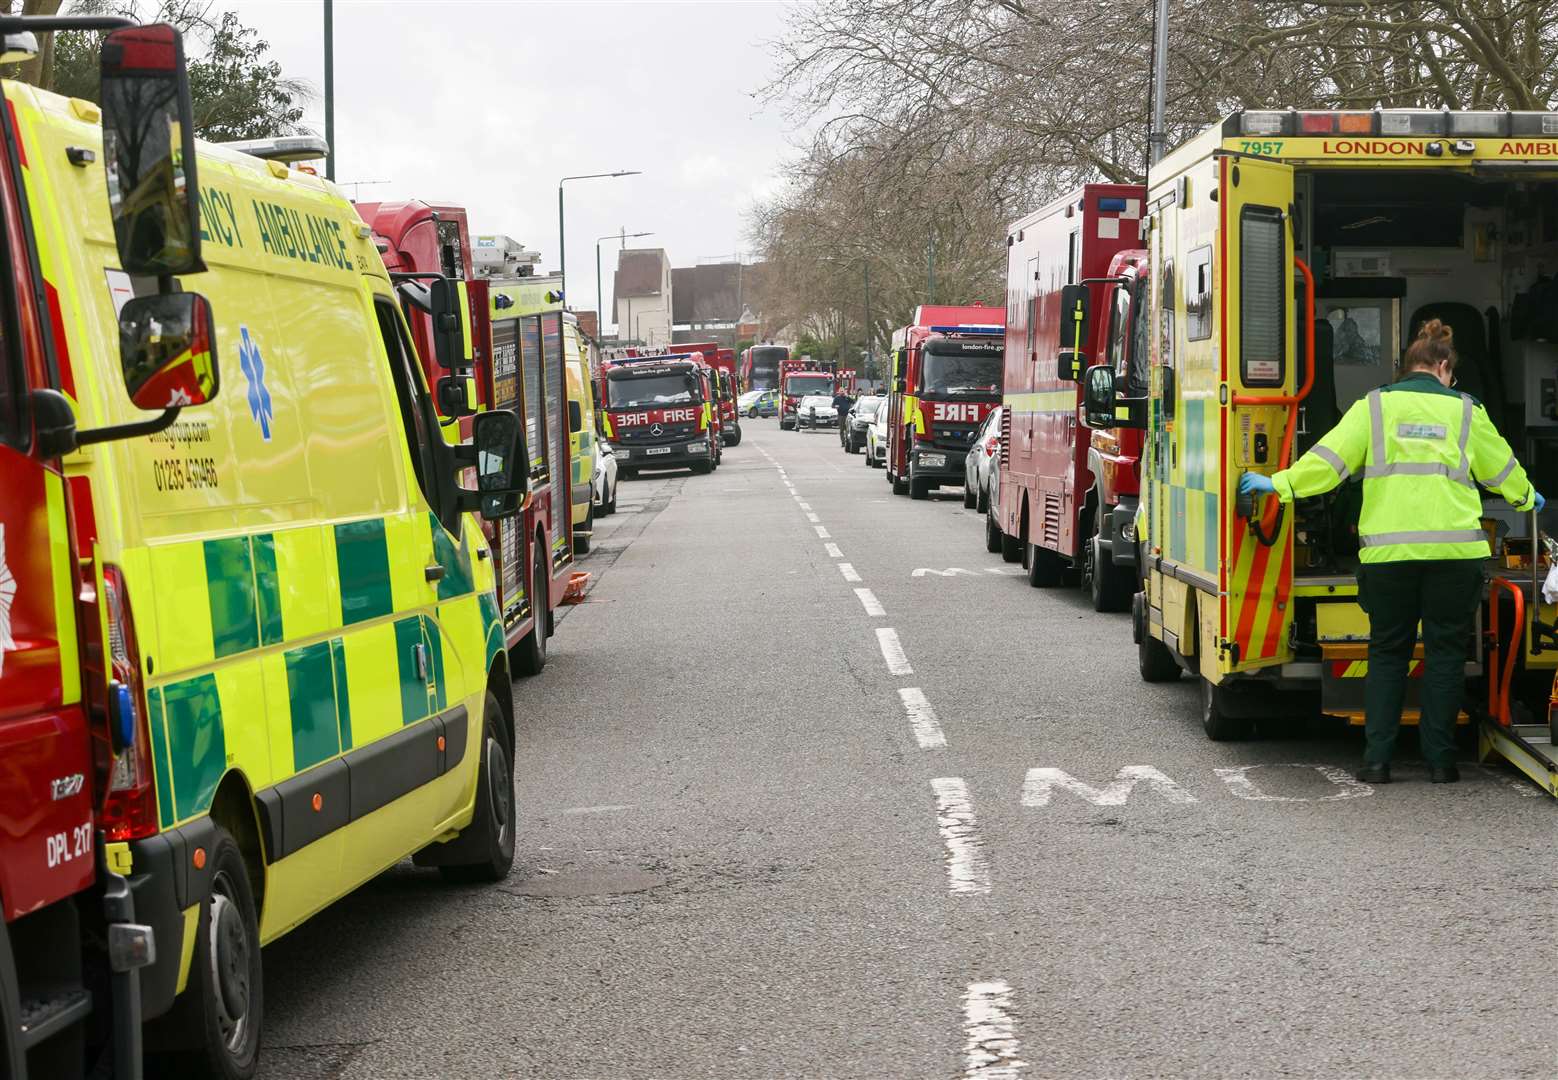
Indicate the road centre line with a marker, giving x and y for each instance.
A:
(922, 718)
(822, 533)
(892, 651)
(813, 518)
(990, 1046)
(869, 601)
(968, 871)
(848, 570)
(802, 505)
(833, 551)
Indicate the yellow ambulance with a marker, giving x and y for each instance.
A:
(302, 677)
(1293, 256)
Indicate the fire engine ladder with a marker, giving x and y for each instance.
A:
(1530, 747)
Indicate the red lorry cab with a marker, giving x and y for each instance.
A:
(946, 380)
(1066, 501)
(516, 363)
(798, 379)
(658, 412)
(722, 365)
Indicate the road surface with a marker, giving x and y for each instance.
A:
(814, 786)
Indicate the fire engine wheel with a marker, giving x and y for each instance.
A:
(1154, 661)
(992, 531)
(703, 468)
(735, 437)
(530, 654)
(918, 489)
(900, 484)
(1109, 586)
(1046, 569)
(215, 1024)
(494, 823)
(1011, 548)
(1218, 720)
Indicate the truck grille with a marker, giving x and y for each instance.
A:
(634, 436)
(954, 436)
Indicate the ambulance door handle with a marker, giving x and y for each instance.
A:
(433, 573)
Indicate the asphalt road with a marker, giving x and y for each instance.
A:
(750, 849)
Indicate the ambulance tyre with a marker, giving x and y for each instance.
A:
(1220, 723)
(215, 1023)
(529, 656)
(1153, 659)
(493, 825)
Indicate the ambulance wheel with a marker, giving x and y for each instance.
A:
(992, 531)
(495, 813)
(1153, 659)
(581, 544)
(1046, 569)
(1217, 720)
(529, 655)
(215, 1024)
(970, 497)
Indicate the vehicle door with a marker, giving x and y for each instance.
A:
(1259, 359)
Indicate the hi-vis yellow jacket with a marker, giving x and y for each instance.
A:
(1422, 449)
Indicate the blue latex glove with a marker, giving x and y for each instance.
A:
(1256, 484)
(1540, 502)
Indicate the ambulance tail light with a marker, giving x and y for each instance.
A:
(130, 806)
(1316, 123)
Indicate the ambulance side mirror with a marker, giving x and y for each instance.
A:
(451, 323)
(498, 448)
(149, 151)
(167, 350)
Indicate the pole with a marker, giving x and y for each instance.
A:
(930, 271)
(870, 361)
(600, 301)
(330, 89)
(562, 249)
(1157, 137)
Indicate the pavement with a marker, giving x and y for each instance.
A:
(775, 826)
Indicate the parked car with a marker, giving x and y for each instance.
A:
(815, 411)
(852, 436)
(982, 460)
(758, 403)
(876, 436)
(605, 479)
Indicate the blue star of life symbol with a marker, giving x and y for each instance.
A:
(253, 366)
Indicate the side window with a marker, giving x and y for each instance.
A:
(1198, 295)
(13, 390)
(530, 363)
(1030, 288)
(1170, 299)
(1141, 336)
(1263, 280)
(1073, 252)
(410, 396)
(1119, 326)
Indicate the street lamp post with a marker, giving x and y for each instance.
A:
(562, 243)
(329, 90)
(600, 297)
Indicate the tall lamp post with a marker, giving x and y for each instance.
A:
(329, 90)
(562, 245)
(600, 297)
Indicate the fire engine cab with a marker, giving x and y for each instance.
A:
(659, 412)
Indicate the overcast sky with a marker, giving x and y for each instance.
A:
(487, 104)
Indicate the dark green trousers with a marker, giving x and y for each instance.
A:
(1443, 594)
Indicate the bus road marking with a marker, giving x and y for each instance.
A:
(869, 601)
(990, 1048)
(968, 871)
(892, 651)
(848, 570)
(922, 718)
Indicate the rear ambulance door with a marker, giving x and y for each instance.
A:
(1260, 360)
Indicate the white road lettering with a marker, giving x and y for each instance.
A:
(1040, 783)
(869, 601)
(848, 571)
(951, 571)
(968, 871)
(892, 651)
(1240, 783)
(922, 718)
(990, 1048)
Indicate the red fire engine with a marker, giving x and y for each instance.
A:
(801, 378)
(722, 365)
(517, 363)
(658, 412)
(1066, 502)
(946, 379)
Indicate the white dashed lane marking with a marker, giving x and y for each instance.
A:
(822, 533)
(922, 718)
(968, 870)
(869, 601)
(833, 551)
(892, 651)
(848, 571)
(990, 1048)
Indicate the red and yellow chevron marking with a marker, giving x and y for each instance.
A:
(1357, 669)
(1259, 588)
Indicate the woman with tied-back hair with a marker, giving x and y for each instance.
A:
(1421, 448)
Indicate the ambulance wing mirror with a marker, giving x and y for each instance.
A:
(149, 151)
(1075, 307)
(497, 450)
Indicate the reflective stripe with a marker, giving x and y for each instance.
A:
(1377, 426)
(1501, 477)
(1333, 459)
(1416, 468)
(1466, 407)
(1425, 536)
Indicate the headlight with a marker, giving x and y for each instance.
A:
(933, 461)
(623, 453)
(697, 448)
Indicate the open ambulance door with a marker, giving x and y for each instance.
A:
(1263, 376)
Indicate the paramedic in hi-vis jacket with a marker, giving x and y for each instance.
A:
(1422, 448)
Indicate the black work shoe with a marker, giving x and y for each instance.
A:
(1444, 774)
(1374, 774)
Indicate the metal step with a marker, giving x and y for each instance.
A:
(46, 1011)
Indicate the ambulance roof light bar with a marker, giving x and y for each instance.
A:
(283, 148)
(1396, 122)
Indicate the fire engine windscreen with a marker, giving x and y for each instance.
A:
(802, 385)
(959, 369)
(634, 391)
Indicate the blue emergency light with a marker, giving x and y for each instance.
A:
(1112, 203)
(972, 328)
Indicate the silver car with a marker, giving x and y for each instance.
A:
(876, 437)
(816, 411)
(983, 459)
